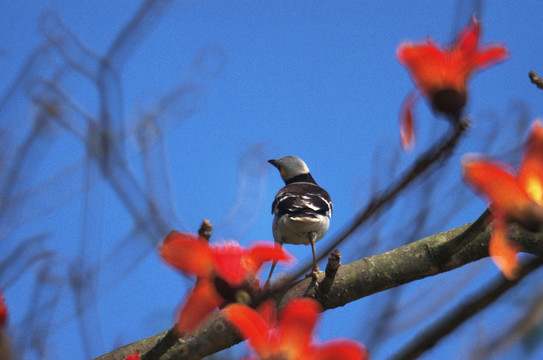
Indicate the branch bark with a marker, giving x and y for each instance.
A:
(426, 257)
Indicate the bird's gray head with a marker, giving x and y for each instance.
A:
(290, 166)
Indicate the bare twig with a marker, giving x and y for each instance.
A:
(535, 79)
(334, 262)
(205, 229)
(520, 330)
(435, 332)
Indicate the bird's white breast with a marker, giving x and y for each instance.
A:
(295, 230)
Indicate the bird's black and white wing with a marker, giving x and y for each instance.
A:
(302, 200)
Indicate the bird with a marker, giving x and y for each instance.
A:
(302, 209)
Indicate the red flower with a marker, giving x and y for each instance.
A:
(3, 312)
(512, 198)
(225, 273)
(290, 338)
(134, 356)
(441, 73)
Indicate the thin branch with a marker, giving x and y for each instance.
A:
(437, 331)
(525, 326)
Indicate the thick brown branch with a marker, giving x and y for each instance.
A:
(352, 281)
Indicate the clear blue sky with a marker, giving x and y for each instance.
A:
(261, 80)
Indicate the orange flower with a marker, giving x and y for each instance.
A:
(290, 337)
(512, 197)
(441, 73)
(3, 312)
(225, 273)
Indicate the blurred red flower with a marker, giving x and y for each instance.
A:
(3, 312)
(225, 273)
(512, 197)
(441, 73)
(290, 336)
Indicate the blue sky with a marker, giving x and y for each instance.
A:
(260, 80)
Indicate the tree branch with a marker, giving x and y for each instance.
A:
(431, 335)
(353, 281)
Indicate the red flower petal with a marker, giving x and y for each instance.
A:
(496, 183)
(425, 62)
(295, 326)
(473, 56)
(490, 56)
(468, 38)
(407, 131)
(228, 260)
(188, 253)
(233, 263)
(251, 326)
(203, 300)
(530, 175)
(135, 356)
(434, 68)
(503, 251)
(176, 235)
(483, 56)
(268, 311)
(3, 312)
(262, 252)
(340, 349)
(296, 321)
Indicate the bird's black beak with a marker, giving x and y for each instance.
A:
(274, 163)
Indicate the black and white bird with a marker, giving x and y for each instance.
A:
(301, 209)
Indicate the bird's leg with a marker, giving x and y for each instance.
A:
(267, 285)
(312, 238)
